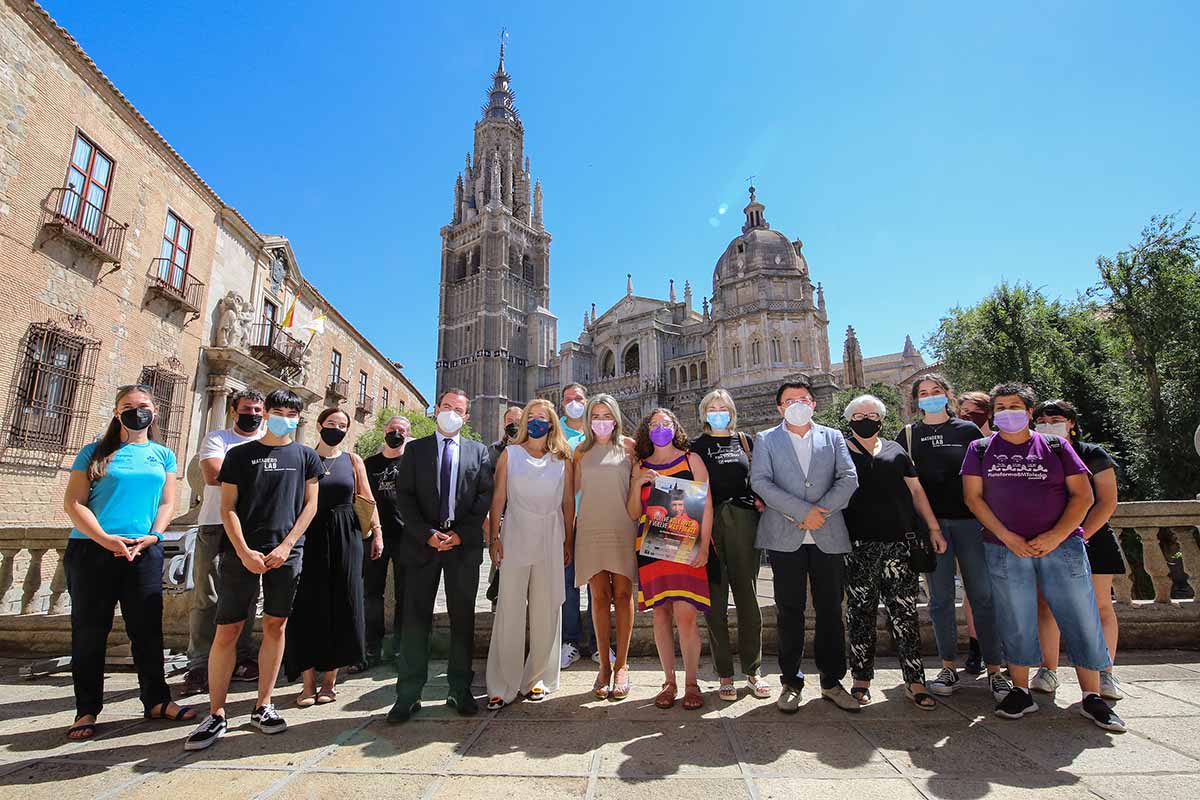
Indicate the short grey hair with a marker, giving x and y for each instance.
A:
(395, 417)
(880, 408)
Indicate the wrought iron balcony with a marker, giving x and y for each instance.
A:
(172, 283)
(338, 389)
(70, 215)
(275, 347)
(365, 404)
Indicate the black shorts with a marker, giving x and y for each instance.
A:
(238, 585)
(1104, 553)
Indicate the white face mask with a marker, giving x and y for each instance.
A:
(1053, 428)
(798, 414)
(575, 409)
(449, 421)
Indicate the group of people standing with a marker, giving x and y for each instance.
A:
(561, 503)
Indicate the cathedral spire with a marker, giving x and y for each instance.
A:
(754, 214)
(501, 98)
(672, 297)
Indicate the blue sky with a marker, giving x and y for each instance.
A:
(922, 151)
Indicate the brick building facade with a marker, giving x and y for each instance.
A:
(119, 264)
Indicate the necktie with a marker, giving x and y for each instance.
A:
(444, 481)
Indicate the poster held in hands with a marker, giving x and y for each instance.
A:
(674, 511)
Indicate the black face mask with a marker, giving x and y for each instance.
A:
(137, 419)
(866, 428)
(332, 436)
(510, 430)
(394, 438)
(249, 422)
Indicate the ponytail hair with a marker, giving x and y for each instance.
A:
(111, 441)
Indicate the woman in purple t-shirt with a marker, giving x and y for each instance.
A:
(1031, 492)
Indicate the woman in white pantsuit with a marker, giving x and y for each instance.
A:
(532, 527)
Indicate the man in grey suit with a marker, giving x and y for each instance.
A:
(804, 475)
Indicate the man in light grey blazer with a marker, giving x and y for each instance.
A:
(804, 475)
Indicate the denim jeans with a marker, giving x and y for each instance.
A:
(577, 628)
(964, 544)
(1064, 578)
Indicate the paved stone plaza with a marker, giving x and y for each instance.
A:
(572, 746)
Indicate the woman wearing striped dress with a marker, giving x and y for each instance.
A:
(676, 592)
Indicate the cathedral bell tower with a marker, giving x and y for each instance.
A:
(496, 335)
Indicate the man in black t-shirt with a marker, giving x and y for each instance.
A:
(382, 471)
(268, 499)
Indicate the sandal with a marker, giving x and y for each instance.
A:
(666, 698)
(758, 687)
(495, 703)
(86, 731)
(326, 696)
(727, 691)
(600, 690)
(692, 699)
(620, 689)
(536, 695)
(306, 700)
(182, 713)
(861, 693)
(922, 700)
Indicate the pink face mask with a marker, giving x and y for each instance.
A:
(603, 428)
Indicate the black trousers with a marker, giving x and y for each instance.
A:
(793, 573)
(375, 585)
(461, 571)
(97, 581)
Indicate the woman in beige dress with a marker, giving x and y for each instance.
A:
(605, 550)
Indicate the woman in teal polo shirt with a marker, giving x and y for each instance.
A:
(121, 494)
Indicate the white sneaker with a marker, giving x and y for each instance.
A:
(612, 656)
(568, 655)
(1046, 681)
(1109, 688)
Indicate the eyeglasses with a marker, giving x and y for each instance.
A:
(860, 417)
(654, 426)
(793, 400)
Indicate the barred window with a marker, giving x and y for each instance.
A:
(51, 391)
(168, 389)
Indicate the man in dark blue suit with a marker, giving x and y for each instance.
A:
(443, 491)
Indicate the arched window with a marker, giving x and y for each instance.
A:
(608, 365)
(632, 360)
(673, 380)
(776, 355)
(693, 373)
(737, 356)
(796, 349)
(703, 372)
(755, 352)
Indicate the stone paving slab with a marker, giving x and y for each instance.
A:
(574, 746)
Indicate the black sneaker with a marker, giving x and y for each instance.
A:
(1099, 712)
(207, 732)
(464, 703)
(1016, 704)
(974, 663)
(402, 713)
(946, 683)
(267, 719)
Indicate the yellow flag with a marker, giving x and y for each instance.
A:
(290, 317)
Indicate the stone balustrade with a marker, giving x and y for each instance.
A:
(35, 606)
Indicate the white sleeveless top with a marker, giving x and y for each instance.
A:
(532, 532)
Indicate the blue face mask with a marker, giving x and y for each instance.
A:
(718, 420)
(537, 428)
(934, 404)
(281, 425)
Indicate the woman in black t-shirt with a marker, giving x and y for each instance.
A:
(881, 512)
(1059, 417)
(727, 453)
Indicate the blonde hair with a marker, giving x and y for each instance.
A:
(726, 398)
(589, 436)
(556, 442)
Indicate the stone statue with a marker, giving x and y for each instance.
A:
(306, 358)
(245, 319)
(229, 320)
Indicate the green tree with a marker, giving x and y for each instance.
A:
(830, 413)
(1150, 295)
(369, 442)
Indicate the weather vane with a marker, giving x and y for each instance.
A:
(750, 180)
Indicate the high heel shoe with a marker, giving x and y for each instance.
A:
(620, 689)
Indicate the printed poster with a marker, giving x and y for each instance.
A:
(674, 511)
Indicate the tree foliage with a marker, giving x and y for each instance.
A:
(830, 414)
(370, 442)
(1124, 353)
